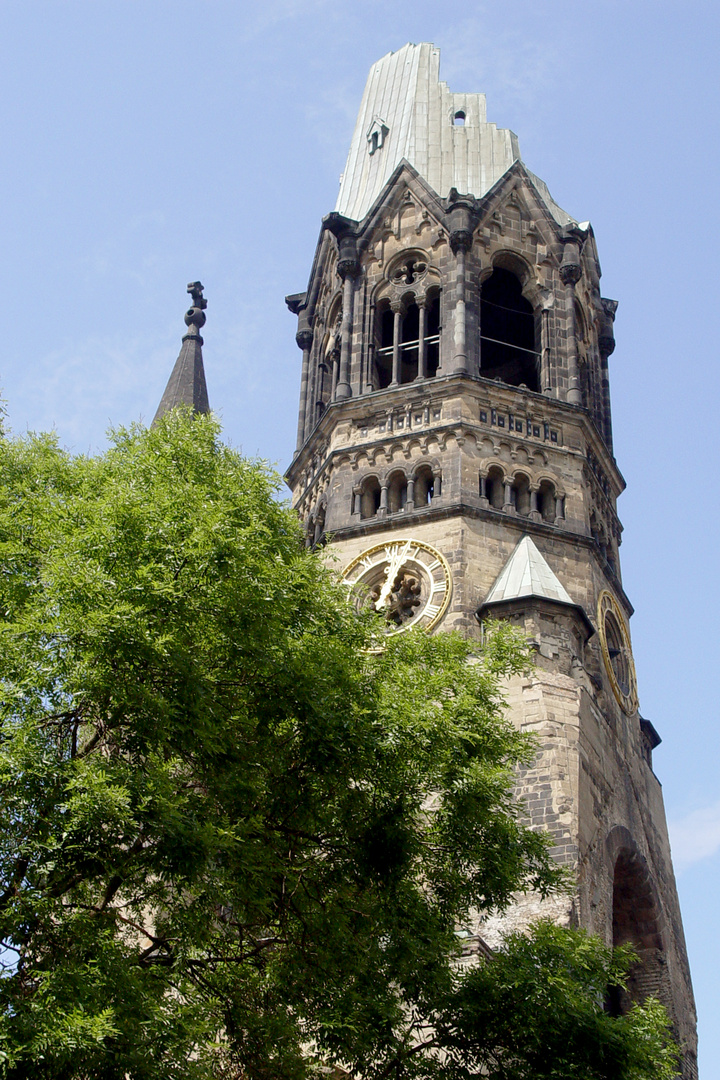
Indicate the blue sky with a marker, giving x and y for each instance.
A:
(148, 145)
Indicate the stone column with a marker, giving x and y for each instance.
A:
(534, 514)
(545, 380)
(508, 503)
(383, 508)
(437, 486)
(460, 232)
(460, 241)
(304, 339)
(368, 385)
(570, 274)
(422, 312)
(606, 345)
(335, 361)
(460, 342)
(410, 502)
(396, 308)
(347, 268)
(559, 508)
(483, 487)
(321, 376)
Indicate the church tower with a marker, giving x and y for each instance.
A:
(455, 445)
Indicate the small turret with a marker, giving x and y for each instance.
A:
(186, 385)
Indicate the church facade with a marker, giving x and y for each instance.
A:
(455, 446)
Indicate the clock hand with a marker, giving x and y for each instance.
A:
(395, 562)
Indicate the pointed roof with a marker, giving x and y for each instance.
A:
(526, 573)
(186, 385)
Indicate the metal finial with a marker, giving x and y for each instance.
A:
(195, 316)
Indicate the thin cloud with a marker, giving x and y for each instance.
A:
(272, 12)
(508, 63)
(696, 836)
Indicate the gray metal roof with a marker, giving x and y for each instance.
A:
(407, 114)
(526, 573)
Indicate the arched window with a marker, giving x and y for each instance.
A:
(508, 349)
(424, 486)
(369, 497)
(546, 502)
(409, 344)
(495, 488)
(383, 346)
(635, 922)
(432, 335)
(418, 345)
(521, 484)
(397, 493)
(319, 524)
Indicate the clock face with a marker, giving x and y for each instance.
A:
(407, 583)
(615, 643)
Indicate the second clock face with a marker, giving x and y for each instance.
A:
(407, 583)
(617, 655)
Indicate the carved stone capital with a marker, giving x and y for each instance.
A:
(606, 332)
(304, 337)
(606, 344)
(570, 272)
(343, 229)
(570, 268)
(461, 240)
(462, 218)
(348, 267)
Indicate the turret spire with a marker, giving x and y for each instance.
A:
(186, 385)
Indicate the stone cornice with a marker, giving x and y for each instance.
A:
(413, 394)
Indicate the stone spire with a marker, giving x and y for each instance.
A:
(186, 385)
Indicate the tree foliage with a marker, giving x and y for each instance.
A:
(234, 839)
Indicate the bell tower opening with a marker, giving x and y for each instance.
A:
(508, 349)
(384, 347)
(407, 341)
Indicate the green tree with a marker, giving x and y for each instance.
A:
(235, 841)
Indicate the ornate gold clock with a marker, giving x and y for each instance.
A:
(617, 654)
(406, 582)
